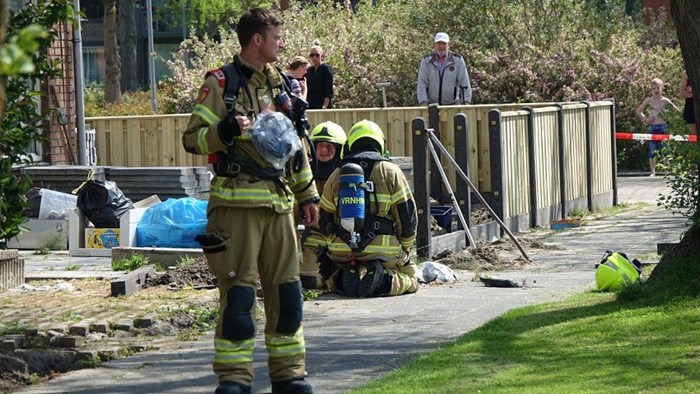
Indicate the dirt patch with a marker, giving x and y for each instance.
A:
(482, 257)
(195, 275)
(526, 243)
(537, 244)
(21, 368)
(479, 216)
(179, 309)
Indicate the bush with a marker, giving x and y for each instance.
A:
(23, 66)
(133, 103)
(514, 53)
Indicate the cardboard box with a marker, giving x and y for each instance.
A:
(101, 238)
(41, 233)
(76, 241)
(127, 229)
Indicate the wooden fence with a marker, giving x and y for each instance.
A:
(534, 162)
(154, 141)
(543, 163)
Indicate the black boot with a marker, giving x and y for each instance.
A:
(292, 386)
(385, 288)
(350, 277)
(372, 280)
(228, 387)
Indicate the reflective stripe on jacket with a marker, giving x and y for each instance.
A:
(391, 188)
(201, 137)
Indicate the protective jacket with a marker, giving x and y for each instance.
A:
(391, 199)
(447, 87)
(202, 137)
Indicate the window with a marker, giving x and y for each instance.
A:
(93, 64)
(93, 9)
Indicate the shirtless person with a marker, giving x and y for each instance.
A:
(650, 112)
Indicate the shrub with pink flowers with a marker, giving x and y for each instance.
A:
(518, 51)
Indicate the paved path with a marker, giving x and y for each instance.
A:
(352, 341)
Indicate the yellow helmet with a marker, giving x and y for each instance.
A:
(366, 129)
(615, 272)
(329, 132)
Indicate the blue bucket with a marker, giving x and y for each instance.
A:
(443, 216)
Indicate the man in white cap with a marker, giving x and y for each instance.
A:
(443, 77)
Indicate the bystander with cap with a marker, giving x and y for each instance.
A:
(443, 76)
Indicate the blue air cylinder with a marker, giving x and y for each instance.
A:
(351, 200)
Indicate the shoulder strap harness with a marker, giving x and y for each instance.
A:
(375, 225)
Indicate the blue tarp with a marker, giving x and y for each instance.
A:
(172, 223)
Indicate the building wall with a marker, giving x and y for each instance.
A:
(60, 146)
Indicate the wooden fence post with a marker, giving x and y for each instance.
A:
(531, 157)
(589, 157)
(435, 179)
(613, 152)
(562, 160)
(463, 193)
(496, 167)
(421, 187)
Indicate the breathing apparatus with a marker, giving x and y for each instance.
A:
(351, 201)
(353, 187)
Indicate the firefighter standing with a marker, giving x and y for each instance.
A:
(328, 139)
(379, 264)
(251, 229)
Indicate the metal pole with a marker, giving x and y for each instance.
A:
(79, 98)
(455, 204)
(461, 173)
(151, 54)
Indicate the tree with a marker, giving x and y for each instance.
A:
(208, 16)
(3, 26)
(686, 14)
(113, 92)
(127, 45)
(23, 65)
(681, 261)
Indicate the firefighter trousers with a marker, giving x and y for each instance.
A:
(401, 270)
(242, 244)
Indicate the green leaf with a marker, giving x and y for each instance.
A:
(28, 38)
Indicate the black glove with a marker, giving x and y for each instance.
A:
(228, 128)
(326, 265)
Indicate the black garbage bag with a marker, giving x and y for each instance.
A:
(103, 203)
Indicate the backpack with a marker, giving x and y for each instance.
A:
(234, 78)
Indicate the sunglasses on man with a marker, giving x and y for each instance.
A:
(314, 55)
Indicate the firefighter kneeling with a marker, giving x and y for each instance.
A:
(328, 139)
(368, 209)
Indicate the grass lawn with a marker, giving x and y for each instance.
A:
(644, 340)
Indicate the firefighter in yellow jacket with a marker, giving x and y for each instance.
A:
(373, 260)
(251, 229)
(328, 139)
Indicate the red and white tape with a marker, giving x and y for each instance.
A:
(655, 137)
